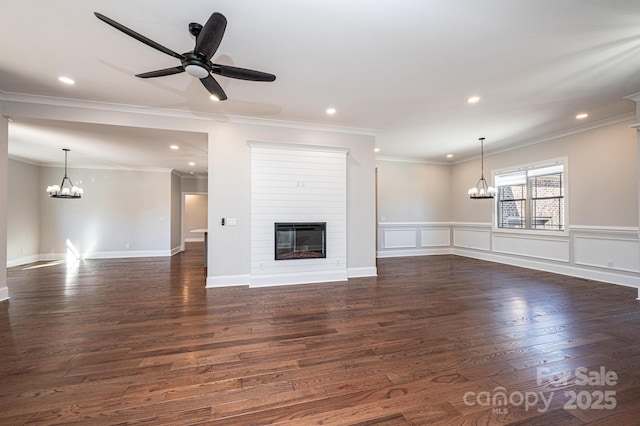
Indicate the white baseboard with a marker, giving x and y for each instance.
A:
(127, 254)
(612, 277)
(228, 280)
(50, 257)
(24, 260)
(194, 240)
(413, 252)
(362, 272)
(4, 293)
(177, 250)
(298, 278)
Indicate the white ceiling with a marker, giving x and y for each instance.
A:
(401, 68)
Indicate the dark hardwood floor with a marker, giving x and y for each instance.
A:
(432, 340)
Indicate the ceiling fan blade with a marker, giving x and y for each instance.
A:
(161, 73)
(211, 35)
(241, 73)
(138, 36)
(213, 87)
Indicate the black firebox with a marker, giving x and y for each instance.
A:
(300, 240)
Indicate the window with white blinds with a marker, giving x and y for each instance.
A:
(532, 197)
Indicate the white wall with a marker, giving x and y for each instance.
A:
(23, 212)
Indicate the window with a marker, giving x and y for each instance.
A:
(532, 197)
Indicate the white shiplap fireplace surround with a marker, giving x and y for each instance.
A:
(297, 183)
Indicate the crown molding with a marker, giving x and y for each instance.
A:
(302, 125)
(557, 135)
(106, 106)
(410, 160)
(174, 113)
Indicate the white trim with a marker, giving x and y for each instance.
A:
(410, 160)
(631, 280)
(471, 224)
(412, 252)
(106, 106)
(410, 224)
(298, 278)
(177, 249)
(228, 281)
(362, 272)
(125, 254)
(48, 257)
(194, 240)
(202, 116)
(4, 293)
(605, 229)
(236, 119)
(24, 260)
(297, 146)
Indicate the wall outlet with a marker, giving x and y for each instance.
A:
(161, 219)
(127, 245)
(610, 264)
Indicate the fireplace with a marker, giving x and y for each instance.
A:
(300, 240)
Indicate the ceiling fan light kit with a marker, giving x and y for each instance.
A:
(197, 63)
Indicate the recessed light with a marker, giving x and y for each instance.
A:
(582, 115)
(191, 163)
(449, 155)
(214, 98)
(473, 99)
(174, 147)
(66, 80)
(331, 111)
(192, 173)
(376, 149)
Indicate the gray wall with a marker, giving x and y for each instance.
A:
(194, 184)
(413, 192)
(4, 184)
(119, 208)
(602, 176)
(195, 215)
(23, 210)
(176, 213)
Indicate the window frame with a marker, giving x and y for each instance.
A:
(564, 161)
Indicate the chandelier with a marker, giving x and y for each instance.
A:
(62, 191)
(482, 189)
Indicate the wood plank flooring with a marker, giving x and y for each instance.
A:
(432, 340)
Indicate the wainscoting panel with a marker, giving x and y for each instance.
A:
(532, 246)
(435, 237)
(396, 239)
(622, 254)
(608, 254)
(469, 238)
(400, 238)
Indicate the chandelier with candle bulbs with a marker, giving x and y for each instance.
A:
(482, 188)
(66, 189)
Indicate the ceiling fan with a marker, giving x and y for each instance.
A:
(197, 63)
